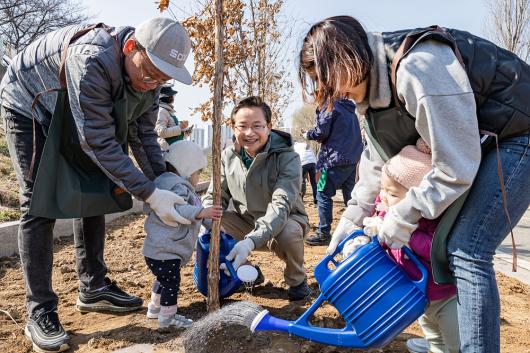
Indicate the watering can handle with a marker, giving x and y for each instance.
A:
(345, 240)
(231, 269)
(322, 266)
(422, 282)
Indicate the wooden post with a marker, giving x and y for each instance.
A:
(213, 260)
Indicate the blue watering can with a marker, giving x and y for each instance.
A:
(374, 296)
(227, 284)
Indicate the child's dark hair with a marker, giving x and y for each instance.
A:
(335, 52)
(250, 102)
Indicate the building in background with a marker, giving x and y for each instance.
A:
(203, 136)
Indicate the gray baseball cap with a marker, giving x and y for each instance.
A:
(167, 45)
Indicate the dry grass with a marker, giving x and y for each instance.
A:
(9, 201)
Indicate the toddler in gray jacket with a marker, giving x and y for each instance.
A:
(167, 248)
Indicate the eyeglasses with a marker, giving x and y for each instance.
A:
(147, 79)
(255, 128)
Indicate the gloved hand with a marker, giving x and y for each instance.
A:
(372, 225)
(344, 228)
(395, 231)
(163, 203)
(354, 244)
(240, 252)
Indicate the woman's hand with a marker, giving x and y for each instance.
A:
(344, 228)
(354, 244)
(184, 124)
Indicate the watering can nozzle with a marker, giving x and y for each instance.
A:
(264, 321)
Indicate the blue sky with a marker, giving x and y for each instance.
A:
(375, 15)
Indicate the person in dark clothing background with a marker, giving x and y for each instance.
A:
(340, 135)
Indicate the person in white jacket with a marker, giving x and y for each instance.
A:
(308, 160)
(168, 127)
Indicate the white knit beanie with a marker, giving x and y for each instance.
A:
(186, 157)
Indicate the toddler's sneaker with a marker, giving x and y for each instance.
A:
(176, 320)
(418, 345)
(152, 311)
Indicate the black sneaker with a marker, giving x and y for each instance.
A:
(259, 280)
(46, 333)
(318, 239)
(299, 292)
(108, 298)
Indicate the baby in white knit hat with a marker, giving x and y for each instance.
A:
(167, 248)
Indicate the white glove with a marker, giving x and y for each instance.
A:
(163, 203)
(372, 225)
(395, 231)
(344, 228)
(240, 252)
(354, 244)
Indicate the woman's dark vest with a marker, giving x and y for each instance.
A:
(500, 81)
(501, 84)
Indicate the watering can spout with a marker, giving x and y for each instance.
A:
(264, 321)
(376, 299)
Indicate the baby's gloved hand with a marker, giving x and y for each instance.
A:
(372, 225)
(354, 244)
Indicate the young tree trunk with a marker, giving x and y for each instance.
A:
(213, 260)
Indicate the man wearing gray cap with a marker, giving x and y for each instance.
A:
(109, 78)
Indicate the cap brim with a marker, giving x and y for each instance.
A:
(180, 74)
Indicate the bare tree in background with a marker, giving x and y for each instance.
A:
(23, 21)
(509, 25)
(304, 118)
(256, 52)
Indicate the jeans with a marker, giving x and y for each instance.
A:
(479, 229)
(35, 234)
(309, 170)
(343, 178)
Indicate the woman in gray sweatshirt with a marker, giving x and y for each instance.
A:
(448, 87)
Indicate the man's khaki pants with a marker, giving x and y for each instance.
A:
(288, 245)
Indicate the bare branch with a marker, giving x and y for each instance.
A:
(508, 25)
(23, 21)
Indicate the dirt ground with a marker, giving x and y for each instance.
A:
(98, 333)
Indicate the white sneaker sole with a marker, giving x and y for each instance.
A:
(151, 316)
(36, 348)
(103, 305)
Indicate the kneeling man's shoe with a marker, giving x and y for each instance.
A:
(318, 239)
(299, 292)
